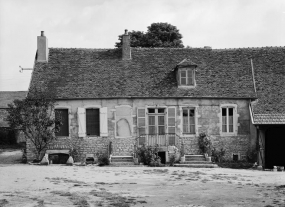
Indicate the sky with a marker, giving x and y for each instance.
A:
(97, 24)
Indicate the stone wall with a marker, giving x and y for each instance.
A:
(208, 119)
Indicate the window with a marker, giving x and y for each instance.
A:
(156, 121)
(186, 77)
(228, 120)
(62, 114)
(93, 122)
(188, 121)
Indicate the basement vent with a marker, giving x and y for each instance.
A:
(236, 156)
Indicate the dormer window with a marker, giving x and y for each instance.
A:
(186, 76)
(185, 73)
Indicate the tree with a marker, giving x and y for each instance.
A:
(34, 115)
(157, 35)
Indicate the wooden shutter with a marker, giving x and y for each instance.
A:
(103, 122)
(171, 116)
(141, 121)
(81, 122)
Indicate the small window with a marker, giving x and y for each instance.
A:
(235, 156)
(188, 121)
(93, 122)
(228, 120)
(151, 111)
(187, 77)
(62, 114)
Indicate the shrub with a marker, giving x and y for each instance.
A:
(148, 155)
(103, 159)
(205, 143)
(218, 155)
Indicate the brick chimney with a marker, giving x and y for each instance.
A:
(126, 46)
(42, 50)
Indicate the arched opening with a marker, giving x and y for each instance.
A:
(275, 146)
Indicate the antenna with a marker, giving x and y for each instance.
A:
(21, 69)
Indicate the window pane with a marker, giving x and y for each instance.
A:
(224, 111)
(160, 120)
(192, 116)
(160, 110)
(183, 74)
(231, 128)
(151, 110)
(62, 114)
(192, 129)
(224, 120)
(151, 120)
(92, 122)
(190, 77)
(161, 130)
(231, 120)
(224, 128)
(183, 81)
(231, 111)
(151, 130)
(185, 129)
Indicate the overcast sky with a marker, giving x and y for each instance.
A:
(97, 24)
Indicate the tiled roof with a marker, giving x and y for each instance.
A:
(7, 97)
(269, 119)
(92, 73)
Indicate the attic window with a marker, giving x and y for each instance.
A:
(187, 77)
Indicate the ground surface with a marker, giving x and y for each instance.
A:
(59, 185)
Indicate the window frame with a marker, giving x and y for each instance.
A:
(196, 117)
(156, 115)
(235, 120)
(187, 70)
(189, 122)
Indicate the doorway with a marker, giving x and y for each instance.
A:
(275, 147)
(162, 156)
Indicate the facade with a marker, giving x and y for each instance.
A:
(117, 99)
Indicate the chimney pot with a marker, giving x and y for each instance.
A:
(42, 33)
(126, 32)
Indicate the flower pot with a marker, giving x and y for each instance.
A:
(208, 159)
(136, 161)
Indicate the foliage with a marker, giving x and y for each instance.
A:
(34, 115)
(218, 155)
(251, 156)
(75, 148)
(148, 155)
(205, 143)
(157, 35)
(103, 159)
(172, 159)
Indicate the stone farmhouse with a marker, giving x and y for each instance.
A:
(118, 99)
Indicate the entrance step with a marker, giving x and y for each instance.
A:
(195, 158)
(122, 159)
(197, 162)
(208, 165)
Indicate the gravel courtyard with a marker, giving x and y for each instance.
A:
(60, 185)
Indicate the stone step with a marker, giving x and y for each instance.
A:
(195, 158)
(122, 159)
(197, 162)
(196, 165)
(129, 164)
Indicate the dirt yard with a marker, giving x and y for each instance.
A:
(59, 185)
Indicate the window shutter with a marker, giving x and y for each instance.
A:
(171, 116)
(81, 122)
(103, 122)
(141, 121)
